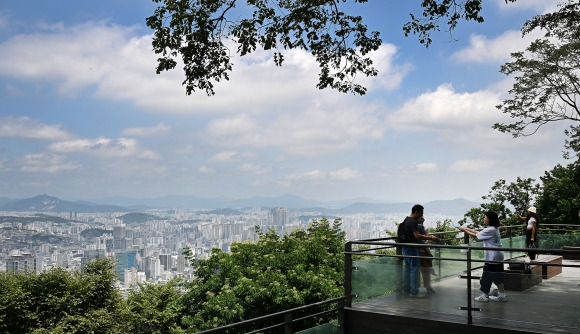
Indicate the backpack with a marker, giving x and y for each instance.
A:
(401, 235)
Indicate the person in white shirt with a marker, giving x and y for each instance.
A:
(533, 220)
(493, 272)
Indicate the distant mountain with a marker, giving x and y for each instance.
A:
(45, 203)
(166, 202)
(448, 207)
(195, 202)
(457, 206)
(5, 200)
(225, 212)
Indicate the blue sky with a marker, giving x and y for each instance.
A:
(83, 115)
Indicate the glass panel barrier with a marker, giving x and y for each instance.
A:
(544, 293)
(375, 276)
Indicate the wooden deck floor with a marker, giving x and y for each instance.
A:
(553, 306)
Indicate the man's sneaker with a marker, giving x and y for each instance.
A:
(417, 295)
(482, 298)
(502, 297)
(430, 290)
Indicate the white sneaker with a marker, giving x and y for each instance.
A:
(502, 297)
(482, 298)
(494, 292)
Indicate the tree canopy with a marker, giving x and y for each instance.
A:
(204, 34)
(271, 275)
(546, 74)
(506, 199)
(559, 200)
(200, 32)
(58, 301)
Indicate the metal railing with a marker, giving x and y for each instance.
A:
(286, 325)
(383, 256)
(386, 248)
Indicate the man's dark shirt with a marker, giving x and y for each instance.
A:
(411, 225)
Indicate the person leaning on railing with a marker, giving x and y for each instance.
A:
(493, 272)
(411, 253)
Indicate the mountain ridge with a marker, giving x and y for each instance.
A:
(46, 203)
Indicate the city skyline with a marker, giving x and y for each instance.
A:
(84, 115)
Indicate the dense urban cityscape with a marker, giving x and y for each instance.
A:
(148, 246)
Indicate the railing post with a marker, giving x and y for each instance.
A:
(288, 323)
(399, 269)
(469, 297)
(348, 273)
(341, 305)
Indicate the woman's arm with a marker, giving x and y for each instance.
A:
(469, 231)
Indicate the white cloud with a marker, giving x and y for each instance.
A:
(255, 169)
(426, 167)
(27, 128)
(46, 163)
(344, 174)
(206, 170)
(541, 6)
(445, 109)
(390, 74)
(312, 175)
(314, 131)
(471, 165)
(147, 132)
(483, 49)
(121, 66)
(223, 156)
(103, 147)
(70, 57)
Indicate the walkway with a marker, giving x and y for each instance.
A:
(553, 306)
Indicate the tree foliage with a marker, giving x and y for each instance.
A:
(559, 201)
(448, 11)
(155, 308)
(200, 32)
(547, 83)
(57, 301)
(268, 276)
(506, 200)
(446, 232)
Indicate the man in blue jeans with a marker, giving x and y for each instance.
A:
(412, 265)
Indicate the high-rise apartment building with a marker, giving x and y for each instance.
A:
(21, 262)
(125, 260)
(119, 235)
(279, 218)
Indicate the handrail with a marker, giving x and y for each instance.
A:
(287, 321)
(388, 243)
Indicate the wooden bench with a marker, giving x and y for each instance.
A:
(571, 256)
(547, 270)
(519, 280)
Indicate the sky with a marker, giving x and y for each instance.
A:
(83, 114)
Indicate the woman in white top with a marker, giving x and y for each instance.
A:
(493, 272)
(533, 220)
